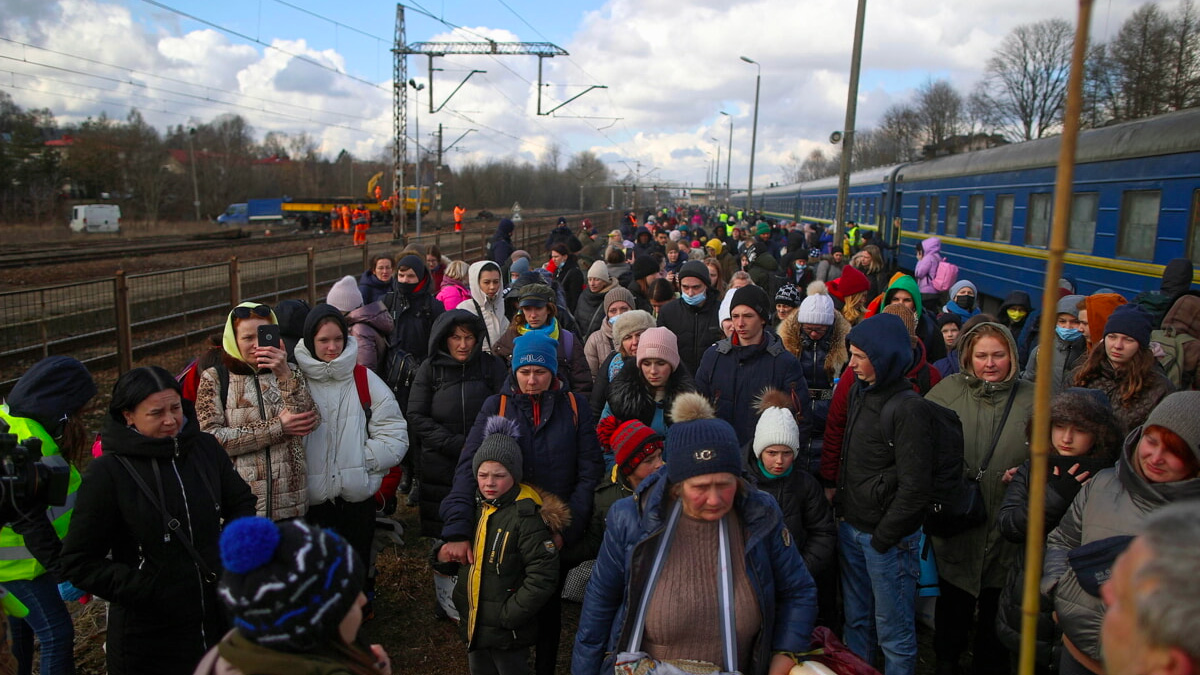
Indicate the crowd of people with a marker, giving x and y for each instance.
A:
(714, 429)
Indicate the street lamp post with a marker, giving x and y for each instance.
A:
(717, 174)
(728, 158)
(754, 131)
(417, 136)
(195, 181)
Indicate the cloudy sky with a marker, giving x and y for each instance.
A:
(670, 67)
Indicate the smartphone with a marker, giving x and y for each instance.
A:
(268, 336)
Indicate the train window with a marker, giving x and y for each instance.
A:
(1194, 229)
(1082, 233)
(1139, 224)
(952, 216)
(1037, 225)
(975, 217)
(933, 215)
(922, 223)
(1002, 230)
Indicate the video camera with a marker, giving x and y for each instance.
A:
(29, 481)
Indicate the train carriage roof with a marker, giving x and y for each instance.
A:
(1162, 135)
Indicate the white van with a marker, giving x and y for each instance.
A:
(96, 218)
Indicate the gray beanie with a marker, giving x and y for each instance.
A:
(1177, 412)
(500, 445)
(1068, 305)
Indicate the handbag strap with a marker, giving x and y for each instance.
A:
(724, 587)
(725, 596)
(660, 558)
(1012, 396)
(172, 524)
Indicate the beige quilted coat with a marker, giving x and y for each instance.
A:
(253, 443)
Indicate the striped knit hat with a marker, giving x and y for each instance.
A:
(288, 585)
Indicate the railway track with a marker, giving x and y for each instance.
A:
(88, 252)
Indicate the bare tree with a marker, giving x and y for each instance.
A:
(940, 108)
(902, 127)
(1025, 82)
(1183, 59)
(1139, 54)
(143, 160)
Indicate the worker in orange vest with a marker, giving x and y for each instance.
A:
(458, 216)
(345, 211)
(362, 223)
(378, 192)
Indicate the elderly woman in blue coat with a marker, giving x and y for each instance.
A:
(657, 591)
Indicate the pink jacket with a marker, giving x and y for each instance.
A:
(452, 293)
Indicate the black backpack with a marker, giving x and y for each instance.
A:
(950, 510)
(399, 371)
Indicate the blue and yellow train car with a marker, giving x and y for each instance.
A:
(1135, 206)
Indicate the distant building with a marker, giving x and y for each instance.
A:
(956, 145)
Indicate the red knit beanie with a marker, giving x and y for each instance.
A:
(632, 443)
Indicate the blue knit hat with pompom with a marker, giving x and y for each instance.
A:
(288, 585)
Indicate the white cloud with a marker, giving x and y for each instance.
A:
(669, 66)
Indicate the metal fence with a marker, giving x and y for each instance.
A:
(114, 322)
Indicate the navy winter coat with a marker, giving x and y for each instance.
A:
(561, 456)
(732, 376)
(501, 244)
(787, 596)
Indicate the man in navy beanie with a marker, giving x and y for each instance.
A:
(734, 371)
(882, 494)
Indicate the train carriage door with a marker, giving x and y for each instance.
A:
(1194, 230)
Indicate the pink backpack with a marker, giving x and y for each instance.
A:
(945, 276)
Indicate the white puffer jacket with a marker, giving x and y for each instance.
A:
(347, 456)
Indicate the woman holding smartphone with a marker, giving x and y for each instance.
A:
(259, 408)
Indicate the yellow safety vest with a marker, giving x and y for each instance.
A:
(16, 562)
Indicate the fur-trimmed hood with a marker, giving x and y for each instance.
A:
(837, 354)
(629, 398)
(555, 512)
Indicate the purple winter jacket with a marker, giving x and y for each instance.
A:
(927, 265)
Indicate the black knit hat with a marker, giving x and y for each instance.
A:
(500, 445)
(697, 269)
(753, 297)
(288, 585)
(644, 266)
(1131, 320)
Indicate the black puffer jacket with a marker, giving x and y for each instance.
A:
(806, 513)
(696, 328)
(881, 489)
(163, 616)
(630, 399)
(445, 398)
(570, 279)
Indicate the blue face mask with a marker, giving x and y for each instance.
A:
(1068, 334)
(694, 300)
(613, 319)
